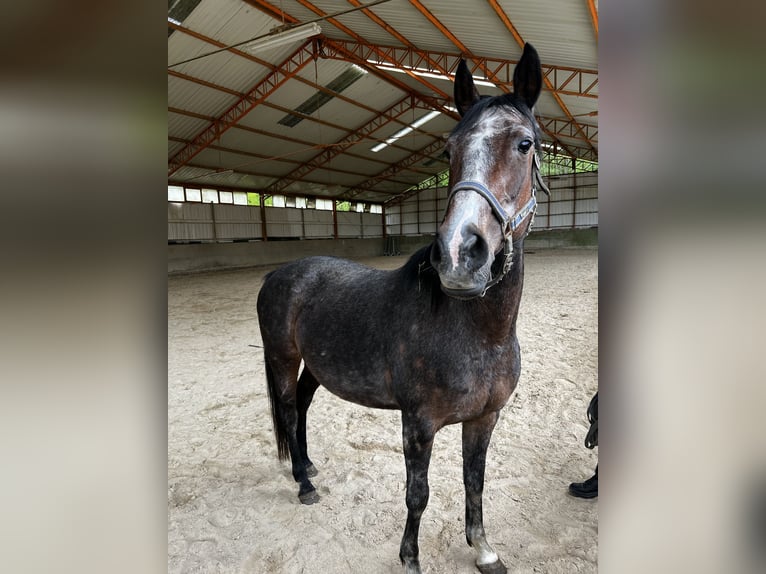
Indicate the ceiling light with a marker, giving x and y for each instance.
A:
(405, 130)
(425, 73)
(276, 38)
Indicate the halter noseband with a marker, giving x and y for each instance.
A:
(507, 224)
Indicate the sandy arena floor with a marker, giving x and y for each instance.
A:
(232, 507)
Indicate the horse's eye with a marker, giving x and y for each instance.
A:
(525, 146)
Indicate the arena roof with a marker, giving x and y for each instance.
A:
(359, 108)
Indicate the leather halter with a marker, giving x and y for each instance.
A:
(507, 224)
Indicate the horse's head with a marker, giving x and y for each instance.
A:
(492, 178)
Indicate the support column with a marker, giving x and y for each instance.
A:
(262, 202)
(335, 219)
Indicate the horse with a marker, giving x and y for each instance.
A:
(435, 338)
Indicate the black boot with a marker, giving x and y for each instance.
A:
(587, 489)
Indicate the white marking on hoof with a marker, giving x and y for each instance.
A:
(486, 557)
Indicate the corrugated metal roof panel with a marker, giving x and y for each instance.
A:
(174, 147)
(188, 95)
(267, 119)
(406, 20)
(560, 31)
(229, 21)
(579, 107)
(331, 178)
(473, 23)
(303, 14)
(360, 24)
(268, 145)
(185, 127)
(243, 163)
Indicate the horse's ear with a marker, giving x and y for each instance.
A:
(465, 90)
(528, 76)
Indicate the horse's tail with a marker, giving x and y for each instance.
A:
(277, 417)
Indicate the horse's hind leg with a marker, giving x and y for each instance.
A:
(476, 435)
(283, 391)
(307, 386)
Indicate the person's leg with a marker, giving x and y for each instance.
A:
(587, 489)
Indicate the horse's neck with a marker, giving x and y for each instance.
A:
(502, 301)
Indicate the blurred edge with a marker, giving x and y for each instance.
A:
(682, 274)
(83, 110)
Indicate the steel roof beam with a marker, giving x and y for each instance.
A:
(593, 16)
(568, 129)
(308, 117)
(489, 73)
(318, 87)
(275, 12)
(566, 80)
(213, 170)
(362, 51)
(258, 156)
(306, 144)
(273, 68)
(548, 124)
(342, 145)
(420, 155)
(258, 93)
(520, 41)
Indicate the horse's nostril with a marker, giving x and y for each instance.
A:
(475, 250)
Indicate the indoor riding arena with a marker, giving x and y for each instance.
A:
(321, 128)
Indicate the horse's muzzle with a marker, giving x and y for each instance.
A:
(463, 260)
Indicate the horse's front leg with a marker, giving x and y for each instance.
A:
(418, 442)
(476, 435)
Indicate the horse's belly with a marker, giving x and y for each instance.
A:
(363, 387)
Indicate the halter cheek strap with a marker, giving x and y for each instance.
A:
(507, 224)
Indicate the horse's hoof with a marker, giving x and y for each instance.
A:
(493, 568)
(311, 471)
(309, 497)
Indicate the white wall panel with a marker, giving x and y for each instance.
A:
(587, 205)
(586, 219)
(349, 224)
(558, 221)
(372, 225)
(284, 222)
(317, 224)
(560, 207)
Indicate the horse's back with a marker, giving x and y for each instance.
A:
(326, 292)
(318, 309)
(310, 276)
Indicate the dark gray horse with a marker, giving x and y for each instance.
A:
(435, 339)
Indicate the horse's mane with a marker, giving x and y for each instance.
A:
(418, 274)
